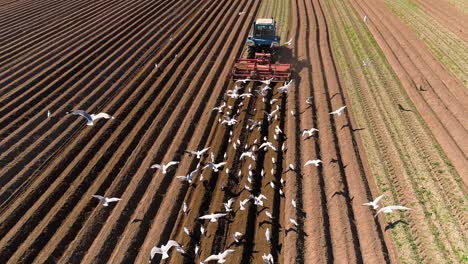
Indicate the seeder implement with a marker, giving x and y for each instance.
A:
(260, 68)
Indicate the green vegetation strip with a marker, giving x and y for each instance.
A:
(449, 49)
(419, 165)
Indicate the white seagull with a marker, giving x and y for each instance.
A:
(289, 42)
(215, 166)
(237, 236)
(293, 221)
(258, 200)
(219, 257)
(293, 202)
(339, 111)
(268, 235)
(228, 205)
(198, 153)
(269, 214)
(309, 132)
(164, 167)
(212, 217)
(316, 162)
(285, 88)
(267, 144)
(243, 80)
(48, 113)
(249, 154)
(90, 118)
(229, 121)
(267, 82)
(106, 200)
(374, 203)
(164, 249)
(390, 208)
(268, 259)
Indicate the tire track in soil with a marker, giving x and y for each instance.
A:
(446, 130)
(30, 168)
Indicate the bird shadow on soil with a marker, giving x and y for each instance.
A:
(351, 127)
(263, 209)
(292, 229)
(265, 222)
(392, 225)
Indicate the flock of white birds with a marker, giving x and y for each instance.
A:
(250, 152)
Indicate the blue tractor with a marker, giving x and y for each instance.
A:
(263, 39)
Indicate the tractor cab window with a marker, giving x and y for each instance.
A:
(264, 31)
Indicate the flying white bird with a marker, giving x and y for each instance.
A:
(248, 95)
(309, 132)
(215, 166)
(339, 111)
(237, 236)
(164, 249)
(293, 221)
(258, 200)
(268, 259)
(228, 205)
(164, 167)
(243, 80)
(285, 88)
(268, 235)
(267, 144)
(198, 153)
(219, 257)
(212, 217)
(289, 42)
(374, 203)
(242, 204)
(249, 154)
(267, 82)
(106, 200)
(90, 118)
(229, 121)
(316, 162)
(390, 208)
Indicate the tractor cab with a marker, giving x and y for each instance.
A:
(263, 38)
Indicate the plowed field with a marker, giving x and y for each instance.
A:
(159, 68)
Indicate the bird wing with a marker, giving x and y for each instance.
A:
(308, 163)
(379, 211)
(206, 216)
(212, 257)
(341, 108)
(172, 163)
(204, 150)
(217, 215)
(261, 196)
(82, 113)
(182, 178)
(170, 244)
(190, 152)
(154, 251)
(157, 166)
(101, 115)
(378, 198)
(397, 207)
(98, 196)
(227, 252)
(113, 199)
